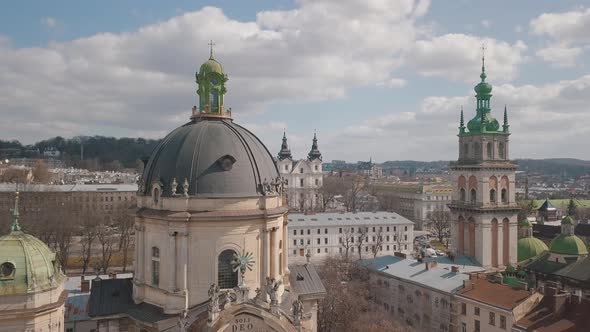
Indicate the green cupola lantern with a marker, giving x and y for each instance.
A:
(211, 88)
(483, 121)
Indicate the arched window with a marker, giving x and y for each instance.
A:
(226, 277)
(501, 150)
(155, 266)
(504, 196)
(493, 196)
(489, 150)
(462, 194)
(473, 196)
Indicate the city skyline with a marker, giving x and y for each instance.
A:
(383, 80)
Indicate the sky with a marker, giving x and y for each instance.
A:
(380, 79)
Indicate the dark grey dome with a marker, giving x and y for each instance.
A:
(215, 156)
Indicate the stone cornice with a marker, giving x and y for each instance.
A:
(211, 215)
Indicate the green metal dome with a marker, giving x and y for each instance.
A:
(27, 265)
(475, 125)
(211, 66)
(529, 247)
(568, 245)
(483, 88)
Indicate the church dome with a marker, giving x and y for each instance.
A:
(568, 245)
(27, 265)
(211, 66)
(475, 125)
(529, 247)
(215, 156)
(483, 88)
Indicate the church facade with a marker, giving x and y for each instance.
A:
(303, 178)
(484, 210)
(211, 233)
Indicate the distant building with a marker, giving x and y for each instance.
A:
(415, 200)
(51, 152)
(41, 200)
(547, 211)
(323, 235)
(303, 177)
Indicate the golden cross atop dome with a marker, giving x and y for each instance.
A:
(211, 44)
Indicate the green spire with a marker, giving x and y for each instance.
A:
(461, 122)
(505, 126)
(483, 122)
(15, 227)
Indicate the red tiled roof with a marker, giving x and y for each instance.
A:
(495, 294)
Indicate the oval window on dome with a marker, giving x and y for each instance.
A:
(6, 270)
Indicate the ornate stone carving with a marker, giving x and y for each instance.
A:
(174, 187)
(272, 289)
(297, 311)
(213, 307)
(185, 187)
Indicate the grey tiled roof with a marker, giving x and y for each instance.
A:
(436, 278)
(305, 281)
(114, 296)
(347, 219)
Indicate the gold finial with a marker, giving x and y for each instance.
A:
(211, 44)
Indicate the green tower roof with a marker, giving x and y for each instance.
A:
(211, 66)
(568, 245)
(529, 247)
(27, 265)
(567, 220)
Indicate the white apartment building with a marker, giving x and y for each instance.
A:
(328, 234)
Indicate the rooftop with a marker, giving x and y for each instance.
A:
(12, 187)
(496, 294)
(349, 218)
(436, 278)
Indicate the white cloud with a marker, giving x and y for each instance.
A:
(560, 56)
(49, 22)
(568, 33)
(546, 121)
(393, 83)
(567, 27)
(142, 81)
(458, 56)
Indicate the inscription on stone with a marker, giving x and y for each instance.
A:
(248, 323)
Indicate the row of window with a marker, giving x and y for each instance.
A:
(476, 312)
(352, 230)
(316, 168)
(489, 150)
(493, 198)
(352, 249)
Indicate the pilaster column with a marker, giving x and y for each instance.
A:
(172, 284)
(266, 254)
(274, 253)
(285, 250)
(140, 253)
(182, 260)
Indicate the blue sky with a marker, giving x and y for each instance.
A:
(380, 78)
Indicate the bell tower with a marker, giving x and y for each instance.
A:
(484, 211)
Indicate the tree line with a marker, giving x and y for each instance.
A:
(87, 151)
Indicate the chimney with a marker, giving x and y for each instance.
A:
(455, 269)
(430, 265)
(399, 254)
(84, 285)
(112, 275)
(556, 299)
(467, 284)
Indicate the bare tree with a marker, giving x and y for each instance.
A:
(124, 222)
(378, 243)
(40, 172)
(347, 241)
(107, 242)
(440, 223)
(362, 235)
(348, 300)
(331, 187)
(89, 232)
(352, 186)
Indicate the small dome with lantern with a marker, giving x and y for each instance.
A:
(27, 265)
(567, 243)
